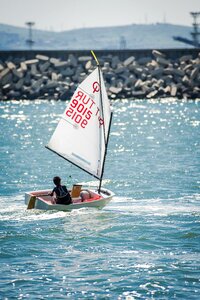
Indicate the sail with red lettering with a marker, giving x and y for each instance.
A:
(81, 135)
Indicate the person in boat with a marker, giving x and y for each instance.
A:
(60, 193)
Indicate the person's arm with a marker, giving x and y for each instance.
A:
(51, 194)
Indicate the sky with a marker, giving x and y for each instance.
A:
(59, 15)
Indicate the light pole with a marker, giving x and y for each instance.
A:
(195, 34)
(30, 41)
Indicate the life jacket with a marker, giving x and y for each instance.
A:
(64, 197)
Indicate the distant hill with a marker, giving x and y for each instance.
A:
(130, 36)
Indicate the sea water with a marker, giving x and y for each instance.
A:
(144, 245)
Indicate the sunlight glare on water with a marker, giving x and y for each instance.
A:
(143, 245)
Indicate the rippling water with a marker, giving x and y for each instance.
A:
(143, 245)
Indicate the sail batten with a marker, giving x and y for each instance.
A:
(82, 132)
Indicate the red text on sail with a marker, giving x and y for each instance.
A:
(82, 108)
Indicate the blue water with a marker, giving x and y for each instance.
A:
(144, 245)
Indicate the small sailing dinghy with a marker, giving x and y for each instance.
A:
(81, 137)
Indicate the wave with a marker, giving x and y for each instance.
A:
(157, 206)
(13, 208)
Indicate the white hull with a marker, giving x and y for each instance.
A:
(40, 200)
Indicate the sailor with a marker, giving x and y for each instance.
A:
(60, 193)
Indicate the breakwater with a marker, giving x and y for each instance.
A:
(128, 74)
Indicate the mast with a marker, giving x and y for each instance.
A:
(105, 140)
(106, 147)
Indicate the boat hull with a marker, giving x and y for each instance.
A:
(41, 200)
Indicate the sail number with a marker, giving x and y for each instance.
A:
(79, 113)
(81, 109)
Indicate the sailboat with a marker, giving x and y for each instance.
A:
(81, 137)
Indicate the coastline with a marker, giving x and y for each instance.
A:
(155, 75)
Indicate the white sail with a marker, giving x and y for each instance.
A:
(82, 131)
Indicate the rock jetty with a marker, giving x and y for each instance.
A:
(156, 76)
